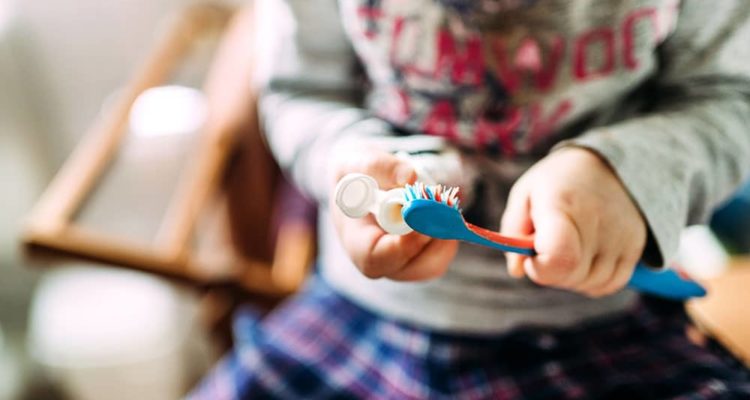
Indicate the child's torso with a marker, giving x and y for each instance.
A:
(512, 77)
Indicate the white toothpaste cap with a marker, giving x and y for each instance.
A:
(356, 194)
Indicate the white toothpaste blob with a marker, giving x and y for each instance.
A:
(358, 194)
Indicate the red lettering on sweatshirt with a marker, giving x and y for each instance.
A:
(441, 121)
(528, 61)
(450, 77)
(460, 61)
(463, 62)
(371, 15)
(531, 63)
(500, 132)
(543, 125)
(398, 109)
(398, 29)
(604, 39)
(629, 35)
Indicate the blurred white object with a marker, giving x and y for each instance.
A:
(700, 253)
(9, 374)
(358, 194)
(168, 110)
(22, 173)
(114, 334)
(6, 14)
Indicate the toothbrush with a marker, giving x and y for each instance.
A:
(434, 211)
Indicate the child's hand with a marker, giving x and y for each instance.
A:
(588, 233)
(377, 254)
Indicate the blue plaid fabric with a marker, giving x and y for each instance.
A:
(320, 345)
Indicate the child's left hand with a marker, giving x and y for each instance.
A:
(588, 232)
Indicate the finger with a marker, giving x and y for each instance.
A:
(363, 236)
(623, 272)
(559, 247)
(389, 171)
(515, 264)
(375, 253)
(601, 272)
(696, 336)
(516, 221)
(388, 253)
(430, 263)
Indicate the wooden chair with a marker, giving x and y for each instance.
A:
(218, 230)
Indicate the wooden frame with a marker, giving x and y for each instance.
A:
(723, 313)
(51, 226)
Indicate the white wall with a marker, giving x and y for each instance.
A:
(76, 52)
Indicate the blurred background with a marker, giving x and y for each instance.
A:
(80, 331)
(59, 61)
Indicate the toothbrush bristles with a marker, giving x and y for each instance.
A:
(439, 193)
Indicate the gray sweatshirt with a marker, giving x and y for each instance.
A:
(659, 88)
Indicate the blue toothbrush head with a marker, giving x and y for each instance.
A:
(433, 219)
(438, 193)
(433, 211)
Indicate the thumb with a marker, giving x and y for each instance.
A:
(516, 221)
(404, 173)
(390, 171)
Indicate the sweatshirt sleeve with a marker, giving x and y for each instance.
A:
(309, 93)
(692, 149)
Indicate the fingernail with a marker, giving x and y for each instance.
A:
(515, 265)
(509, 264)
(404, 174)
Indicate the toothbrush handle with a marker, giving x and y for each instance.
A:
(665, 283)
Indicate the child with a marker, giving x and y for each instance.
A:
(615, 123)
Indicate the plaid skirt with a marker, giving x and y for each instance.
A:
(319, 345)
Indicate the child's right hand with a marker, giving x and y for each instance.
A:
(410, 257)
